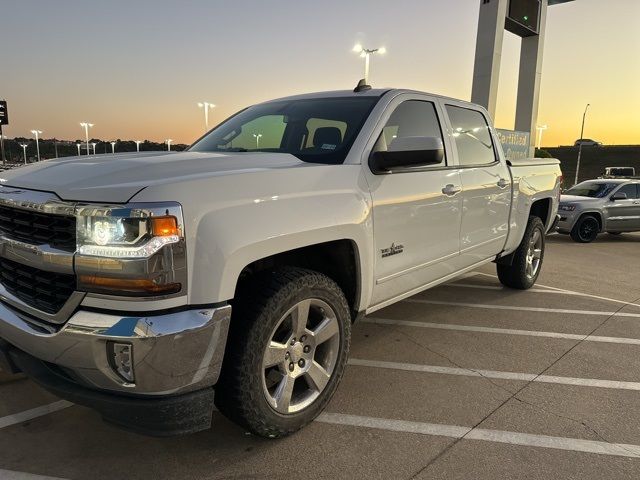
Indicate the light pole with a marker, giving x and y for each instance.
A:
(138, 142)
(206, 106)
(113, 147)
(584, 116)
(36, 133)
(257, 137)
(2, 139)
(93, 145)
(540, 129)
(24, 152)
(168, 142)
(78, 145)
(86, 127)
(366, 54)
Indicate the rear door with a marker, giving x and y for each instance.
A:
(416, 211)
(624, 215)
(486, 185)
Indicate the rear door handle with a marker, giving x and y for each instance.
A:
(451, 189)
(502, 183)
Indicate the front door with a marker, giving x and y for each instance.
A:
(624, 215)
(486, 186)
(416, 212)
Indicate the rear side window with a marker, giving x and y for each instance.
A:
(412, 118)
(472, 136)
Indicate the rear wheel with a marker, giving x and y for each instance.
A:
(286, 353)
(527, 259)
(586, 229)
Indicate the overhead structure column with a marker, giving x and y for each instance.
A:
(486, 72)
(530, 76)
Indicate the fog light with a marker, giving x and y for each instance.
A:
(121, 360)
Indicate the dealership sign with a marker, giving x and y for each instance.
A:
(4, 113)
(515, 144)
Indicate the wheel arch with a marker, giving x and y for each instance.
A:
(337, 259)
(542, 209)
(593, 213)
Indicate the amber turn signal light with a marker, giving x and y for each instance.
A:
(164, 226)
(140, 286)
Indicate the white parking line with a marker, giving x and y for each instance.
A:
(497, 436)
(11, 475)
(33, 413)
(525, 309)
(562, 290)
(527, 377)
(503, 331)
(505, 289)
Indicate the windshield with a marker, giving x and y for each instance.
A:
(593, 190)
(319, 130)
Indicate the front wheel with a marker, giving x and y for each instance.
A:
(586, 229)
(286, 353)
(527, 259)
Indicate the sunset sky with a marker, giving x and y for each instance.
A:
(137, 68)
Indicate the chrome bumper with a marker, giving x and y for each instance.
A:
(172, 353)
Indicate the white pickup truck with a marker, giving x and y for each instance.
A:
(140, 284)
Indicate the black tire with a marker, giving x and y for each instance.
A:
(515, 275)
(261, 304)
(586, 229)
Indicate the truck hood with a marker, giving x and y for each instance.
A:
(117, 178)
(576, 199)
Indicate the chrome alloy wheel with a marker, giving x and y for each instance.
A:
(301, 356)
(534, 254)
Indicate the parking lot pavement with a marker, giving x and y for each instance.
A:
(468, 380)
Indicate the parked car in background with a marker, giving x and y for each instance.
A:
(619, 172)
(595, 206)
(587, 142)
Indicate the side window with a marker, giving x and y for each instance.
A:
(630, 190)
(472, 136)
(412, 118)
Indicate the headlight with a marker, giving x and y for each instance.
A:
(135, 249)
(567, 208)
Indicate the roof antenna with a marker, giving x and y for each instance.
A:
(362, 86)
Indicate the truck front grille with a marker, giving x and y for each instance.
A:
(46, 291)
(38, 228)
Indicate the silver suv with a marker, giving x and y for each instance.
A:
(595, 206)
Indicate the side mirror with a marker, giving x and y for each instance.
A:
(406, 152)
(619, 196)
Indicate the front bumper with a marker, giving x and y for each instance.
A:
(173, 353)
(566, 221)
(157, 416)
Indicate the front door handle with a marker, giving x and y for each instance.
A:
(451, 189)
(503, 183)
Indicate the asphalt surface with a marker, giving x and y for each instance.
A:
(467, 380)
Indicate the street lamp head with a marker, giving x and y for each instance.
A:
(24, 145)
(382, 50)
(358, 48)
